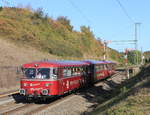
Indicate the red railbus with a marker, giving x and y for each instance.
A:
(53, 78)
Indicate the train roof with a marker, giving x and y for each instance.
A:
(55, 63)
(98, 62)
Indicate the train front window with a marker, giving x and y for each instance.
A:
(43, 73)
(30, 72)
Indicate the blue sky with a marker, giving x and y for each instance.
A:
(105, 17)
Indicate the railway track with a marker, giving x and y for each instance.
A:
(8, 97)
(15, 108)
(34, 108)
(9, 93)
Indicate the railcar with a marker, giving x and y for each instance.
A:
(51, 78)
(54, 78)
(100, 69)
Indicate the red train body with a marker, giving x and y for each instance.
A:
(52, 78)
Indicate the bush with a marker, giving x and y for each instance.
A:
(1, 8)
(39, 13)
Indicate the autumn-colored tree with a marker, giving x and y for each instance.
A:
(87, 31)
(39, 13)
(66, 22)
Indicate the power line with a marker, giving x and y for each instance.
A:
(125, 11)
(5, 2)
(83, 15)
(80, 11)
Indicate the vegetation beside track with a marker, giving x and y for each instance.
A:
(131, 98)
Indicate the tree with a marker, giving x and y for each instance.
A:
(134, 57)
(66, 22)
(87, 31)
(1, 8)
(39, 13)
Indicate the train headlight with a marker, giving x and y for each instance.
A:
(44, 92)
(22, 91)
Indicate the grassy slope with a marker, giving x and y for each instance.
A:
(23, 27)
(133, 99)
(13, 55)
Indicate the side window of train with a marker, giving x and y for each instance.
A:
(105, 67)
(108, 66)
(101, 67)
(67, 72)
(97, 68)
(76, 71)
(54, 73)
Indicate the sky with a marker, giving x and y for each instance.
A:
(106, 18)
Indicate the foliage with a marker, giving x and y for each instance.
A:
(134, 57)
(113, 54)
(1, 8)
(39, 13)
(57, 37)
(64, 21)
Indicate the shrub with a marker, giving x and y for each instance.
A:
(1, 8)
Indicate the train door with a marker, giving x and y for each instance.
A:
(94, 73)
(88, 75)
(60, 80)
(84, 76)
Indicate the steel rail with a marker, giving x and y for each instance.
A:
(6, 94)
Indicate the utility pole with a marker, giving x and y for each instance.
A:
(105, 50)
(136, 41)
(136, 35)
(142, 57)
(105, 43)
